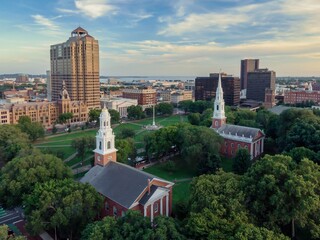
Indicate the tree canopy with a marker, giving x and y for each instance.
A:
(34, 130)
(133, 226)
(65, 206)
(83, 145)
(135, 112)
(19, 176)
(280, 191)
(241, 161)
(12, 140)
(126, 149)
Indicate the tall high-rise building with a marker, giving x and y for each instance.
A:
(258, 82)
(49, 91)
(205, 88)
(247, 65)
(76, 62)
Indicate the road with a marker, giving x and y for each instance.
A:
(10, 216)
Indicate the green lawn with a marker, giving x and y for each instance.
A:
(181, 171)
(181, 192)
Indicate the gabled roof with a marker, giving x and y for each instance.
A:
(239, 131)
(118, 182)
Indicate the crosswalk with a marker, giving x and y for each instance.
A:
(10, 216)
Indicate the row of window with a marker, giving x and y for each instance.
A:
(232, 145)
(115, 210)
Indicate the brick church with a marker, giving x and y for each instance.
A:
(234, 136)
(124, 187)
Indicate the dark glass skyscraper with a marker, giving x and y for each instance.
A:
(247, 65)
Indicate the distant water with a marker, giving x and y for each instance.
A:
(137, 78)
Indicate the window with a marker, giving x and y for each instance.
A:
(217, 107)
(115, 211)
(109, 145)
(100, 145)
(239, 146)
(156, 207)
(232, 145)
(123, 213)
(107, 206)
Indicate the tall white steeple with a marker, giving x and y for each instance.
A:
(105, 144)
(219, 117)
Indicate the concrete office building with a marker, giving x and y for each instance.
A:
(205, 88)
(247, 65)
(76, 62)
(258, 82)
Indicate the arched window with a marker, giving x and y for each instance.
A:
(217, 107)
(104, 123)
(115, 211)
(109, 145)
(100, 145)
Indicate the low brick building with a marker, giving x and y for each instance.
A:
(124, 187)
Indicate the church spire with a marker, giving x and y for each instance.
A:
(105, 140)
(219, 117)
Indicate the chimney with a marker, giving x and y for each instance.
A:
(149, 185)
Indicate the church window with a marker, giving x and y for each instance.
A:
(217, 107)
(104, 123)
(115, 211)
(232, 145)
(156, 207)
(109, 145)
(107, 206)
(216, 123)
(100, 145)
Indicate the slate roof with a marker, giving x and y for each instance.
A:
(118, 182)
(147, 196)
(240, 131)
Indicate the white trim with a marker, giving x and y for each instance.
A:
(161, 207)
(167, 205)
(151, 217)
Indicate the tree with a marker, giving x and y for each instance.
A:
(64, 206)
(115, 116)
(34, 130)
(194, 118)
(164, 109)
(135, 112)
(185, 105)
(241, 161)
(299, 153)
(94, 115)
(6, 234)
(280, 192)
(64, 117)
(83, 145)
(217, 210)
(126, 132)
(19, 176)
(126, 149)
(12, 140)
(133, 226)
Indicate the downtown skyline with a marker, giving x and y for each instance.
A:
(166, 37)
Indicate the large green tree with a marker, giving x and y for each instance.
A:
(299, 153)
(133, 226)
(115, 116)
(65, 117)
(34, 130)
(64, 206)
(12, 140)
(126, 132)
(19, 176)
(217, 210)
(135, 112)
(126, 149)
(94, 115)
(83, 145)
(164, 108)
(242, 161)
(280, 191)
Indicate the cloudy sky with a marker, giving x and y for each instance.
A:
(166, 37)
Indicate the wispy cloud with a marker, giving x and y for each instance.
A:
(44, 22)
(91, 8)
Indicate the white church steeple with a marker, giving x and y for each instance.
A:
(219, 117)
(105, 144)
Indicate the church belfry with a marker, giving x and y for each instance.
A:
(219, 117)
(105, 146)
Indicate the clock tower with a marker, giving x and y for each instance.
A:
(105, 149)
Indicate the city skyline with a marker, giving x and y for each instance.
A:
(166, 37)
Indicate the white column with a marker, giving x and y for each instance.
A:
(145, 211)
(151, 212)
(251, 150)
(262, 145)
(161, 200)
(167, 205)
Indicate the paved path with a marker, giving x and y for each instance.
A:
(76, 164)
(81, 169)
(53, 146)
(72, 156)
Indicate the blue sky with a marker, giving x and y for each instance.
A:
(166, 37)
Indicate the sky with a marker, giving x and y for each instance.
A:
(166, 37)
